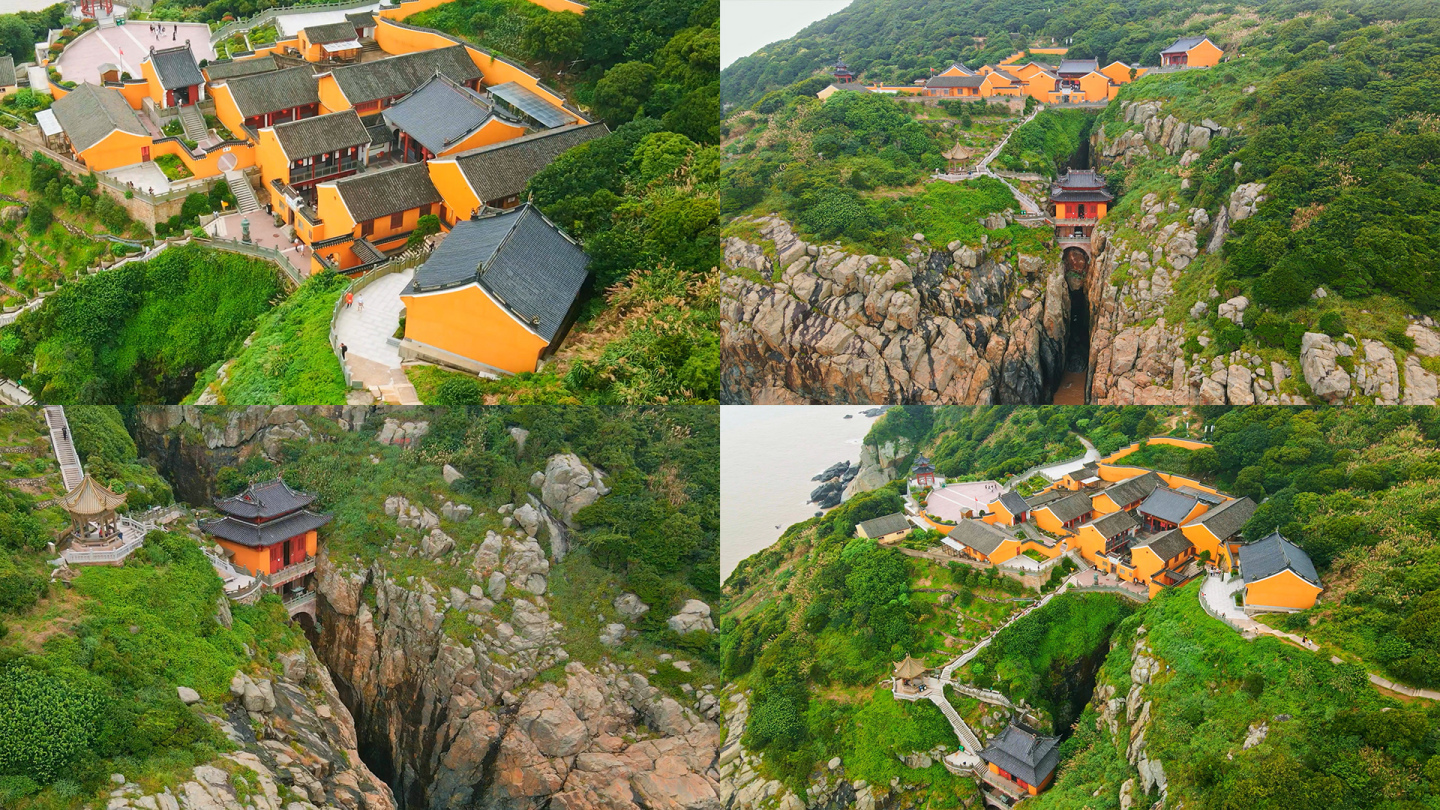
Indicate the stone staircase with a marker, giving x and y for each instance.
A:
(967, 737)
(193, 123)
(244, 194)
(60, 439)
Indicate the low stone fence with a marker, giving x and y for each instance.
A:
(1129, 594)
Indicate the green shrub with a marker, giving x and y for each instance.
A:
(1332, 324)
(39, 218)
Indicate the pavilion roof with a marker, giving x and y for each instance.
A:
(909, 668)
(90, 497)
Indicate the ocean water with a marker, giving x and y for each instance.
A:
(768, 454)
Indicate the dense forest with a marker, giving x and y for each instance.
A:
(813, 622)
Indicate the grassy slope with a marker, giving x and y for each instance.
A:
(1336, 749)
(289, 359)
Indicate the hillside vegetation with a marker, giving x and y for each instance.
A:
(816, 620)
(139, 332)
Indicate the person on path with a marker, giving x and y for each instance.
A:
(362, 306)
(349, 299)
(173, 32)
(65, 433)
(343, 350)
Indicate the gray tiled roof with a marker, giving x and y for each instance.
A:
(438, 114)
(321, 133)
(501, 170)
(979, 535)
(329, 32)
(1273, 554)
(1070, 507)
(532, 104)
(1078, 65)
(1166, 545)
(361, 19)
(885, 524)
(1114, 523)
(231, 69)
(1184, 44)
(264, 500)
(398, 75)
(371, 195)
(176, 67)
(8, 76)
(90, 112)
(1023, 752)
(1167, 504)
(1131, 490)
(1080, 178)
(1013, 502)
(277, 90)
(956, 81)
(964, 70)
(517, 256)
(265, 534)
(1227, 519)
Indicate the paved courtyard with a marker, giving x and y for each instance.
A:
(364, 330)
(145, 176)
(125, 45)
(289, 25)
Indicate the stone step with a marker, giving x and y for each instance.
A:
(193, 123)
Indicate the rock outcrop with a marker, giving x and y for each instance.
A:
(878, 465)
(812, 323)
(293, 734)
(466, 723)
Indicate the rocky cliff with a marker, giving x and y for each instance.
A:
(296, 750)
(811, 323)
(1139, 356)
(879, 465)
(463, 697)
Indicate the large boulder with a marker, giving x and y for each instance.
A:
(1327, 380)
(552, 725)
(694, 616)
(570, 486)
(630, 606)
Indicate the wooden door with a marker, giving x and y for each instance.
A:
(297, 549)
(277, 559)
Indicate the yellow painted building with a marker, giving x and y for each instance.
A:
(1279, 576)
(1161, 560)
(1009, 510)
(982, 541)
(441, 118)
(1126, 494)
(1216, 533)
(332, 41)
(1191, 52)
(495, 176)
(497, 296)
(1062, 514)
(885, 529)
(247, 104)
(172, 77)
(1104, 535)
(101, 129)
(297, 155)
(360, 219)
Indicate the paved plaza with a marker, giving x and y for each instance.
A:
(124, 46)
(374, 361)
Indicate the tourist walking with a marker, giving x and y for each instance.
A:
(361, 304)
(349, 299)
(343, 350)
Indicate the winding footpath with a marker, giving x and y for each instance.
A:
(983, 167)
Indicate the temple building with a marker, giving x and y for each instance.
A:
(923, 472)
(1022, 758)
(1191, 52)
(268, 530)
(1078, 201)
(884, 529)
(1279, 576)
(842, 72)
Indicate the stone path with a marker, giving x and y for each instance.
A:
(60, 439)
(983, 168)
(1218, 597)
(373, 361)
(1057, 471)
(124, 46)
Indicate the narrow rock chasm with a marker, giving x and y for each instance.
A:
(1071, 385)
